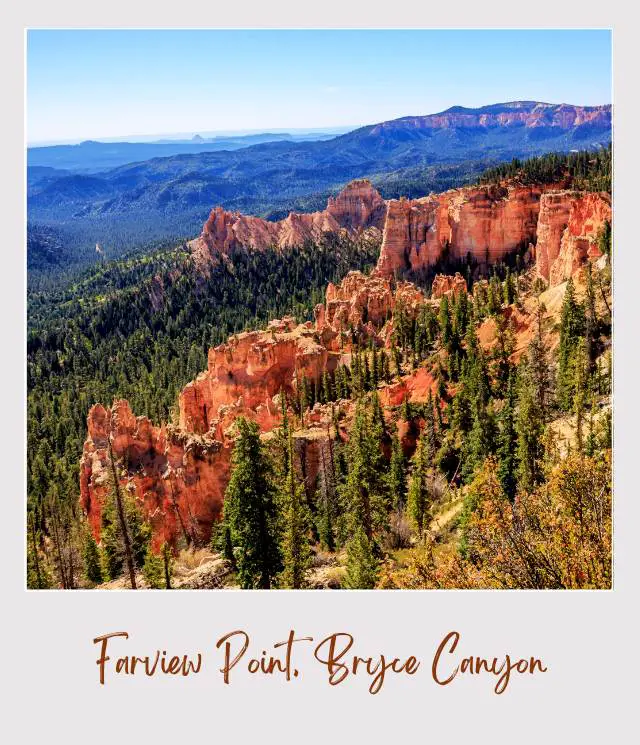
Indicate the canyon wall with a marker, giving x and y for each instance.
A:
(178, 478)
(488, 222)
(568, 228)
(356, 208)
(559, 226)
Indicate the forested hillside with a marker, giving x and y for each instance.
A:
(463, 439)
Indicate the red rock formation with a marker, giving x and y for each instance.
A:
(178, 474)
(487, 221)
(246, 374)
(447, 284)
(364, 304)
(356, 208)
(178, 478)
(568, 229)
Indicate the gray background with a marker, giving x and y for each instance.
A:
(587, 639)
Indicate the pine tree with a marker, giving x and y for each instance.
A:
(153, 570)
(419, 494)
(571, 330)
(508, 441)
(538, 366)
(250, 510)
(480, 442)
(397, 478)
(509, 288)
(296, 552)
(580, 362)
(530, 431)
(38, 575)
(362, 492)
(604, 239)
(167, 562)
(444, 320)
(91, 558)
(591, 322)
(362, 566)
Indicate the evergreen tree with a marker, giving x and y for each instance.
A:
(91, 558)
(250, 510)
(419, 494)
(296, 552)
(153, 570)
(167, 562)
(571, 330)
(397, 478)
(530, 431)
(362, 566)
(508, 442)
(480, 442)
(362, 492)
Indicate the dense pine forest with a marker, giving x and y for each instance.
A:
(501, 479)
(585, 170)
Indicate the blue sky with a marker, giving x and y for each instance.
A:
(93, 84)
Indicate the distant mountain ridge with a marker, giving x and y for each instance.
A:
(514, 113)
(93, 156)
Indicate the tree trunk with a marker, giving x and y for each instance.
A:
(123, 520)
(35, 551)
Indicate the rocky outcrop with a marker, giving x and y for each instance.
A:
(448, 284)
(356, 208)
(177, 478)
(568, 228)
(245, 376)
(487, 222)
(364, 304)
(560, 226)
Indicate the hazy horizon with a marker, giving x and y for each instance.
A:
(120, 85)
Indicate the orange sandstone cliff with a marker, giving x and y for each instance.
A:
(568, 228)
(356, 208)
(487, 222)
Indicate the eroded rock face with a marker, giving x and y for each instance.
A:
(246, 375)
(448, 284)
(177, 478)
(487, 222)
(356, 208)
(365, 304)
(568, 228)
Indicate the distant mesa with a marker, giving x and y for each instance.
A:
(530, 114)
